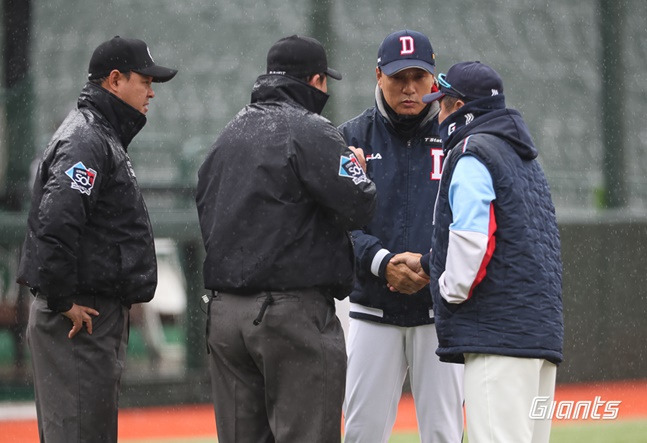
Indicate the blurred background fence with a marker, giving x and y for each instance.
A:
(576, 69)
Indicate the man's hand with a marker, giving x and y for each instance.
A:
(404, 273)
(359, 153)
(412, 261)
(78, 315)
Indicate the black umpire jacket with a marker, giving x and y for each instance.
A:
(277, 194)
(88, 227)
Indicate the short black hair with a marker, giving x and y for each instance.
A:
(451, 100)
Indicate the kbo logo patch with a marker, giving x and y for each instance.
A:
(82, 178)
(350, 167)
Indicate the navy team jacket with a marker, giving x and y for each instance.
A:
(406, 173)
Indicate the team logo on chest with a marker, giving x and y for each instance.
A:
(436, 163)
(350, 167)
(82, 178)
(437, 157)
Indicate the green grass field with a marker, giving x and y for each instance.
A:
(621, 431)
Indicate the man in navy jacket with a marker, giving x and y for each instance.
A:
(495, 264)
(390, 304)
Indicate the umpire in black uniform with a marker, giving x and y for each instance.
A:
(89, 254)
(276, 195)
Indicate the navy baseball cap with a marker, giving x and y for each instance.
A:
(299, 57)
(467, 81)
(406, 49)
(125, 55)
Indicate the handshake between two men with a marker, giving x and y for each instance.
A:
(405, 274)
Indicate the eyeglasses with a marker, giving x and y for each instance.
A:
(445, 84)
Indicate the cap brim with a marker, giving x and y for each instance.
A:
(399, 65)
(428, 98)
(334, 74)
(160, 74)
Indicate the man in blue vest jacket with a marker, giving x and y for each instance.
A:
(495, 268)
(390, 305)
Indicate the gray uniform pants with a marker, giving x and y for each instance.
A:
(283, 379)
(77, 380)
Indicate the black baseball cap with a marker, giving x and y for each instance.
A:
(467, 81)
(299, 57)
(406, 49)
(125, 55)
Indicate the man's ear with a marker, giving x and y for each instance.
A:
(315, 80)
(111, 83)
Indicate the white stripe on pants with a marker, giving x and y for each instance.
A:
(378, 358)
(499, 391)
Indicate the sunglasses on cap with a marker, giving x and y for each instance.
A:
(442, 80)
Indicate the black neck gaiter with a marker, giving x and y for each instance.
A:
(405, 125)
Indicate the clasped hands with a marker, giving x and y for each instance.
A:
(404, 273)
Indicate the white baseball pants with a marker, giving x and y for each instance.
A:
(499, 392)
(379, 356)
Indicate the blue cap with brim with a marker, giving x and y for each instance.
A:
(428, 98)
(467, 81)
(406, 49)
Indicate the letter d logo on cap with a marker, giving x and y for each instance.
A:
(407, 45)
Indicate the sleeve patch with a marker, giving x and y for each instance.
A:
(349, 167)
(82, 178)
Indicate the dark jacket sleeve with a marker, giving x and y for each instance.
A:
(70, 176)
(366, 246)
(328, 170)
(425, 262)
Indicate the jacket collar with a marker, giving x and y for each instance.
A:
(468, 118)
(276, 87)
(489, 116)
(123, 118)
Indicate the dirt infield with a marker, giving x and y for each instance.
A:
(198, 420)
